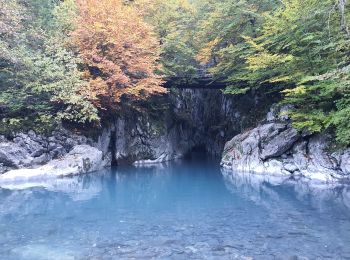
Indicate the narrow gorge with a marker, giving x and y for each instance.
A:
(178, 129)
(168, 128)
(172, 126)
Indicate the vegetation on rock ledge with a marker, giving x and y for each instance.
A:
(77, 60)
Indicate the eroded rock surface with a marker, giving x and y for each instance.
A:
(81, 159)
(31, 150)
(275, 147)
(190, 118)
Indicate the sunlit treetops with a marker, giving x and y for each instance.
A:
(73, 60)
(79, 60)
(120, 52)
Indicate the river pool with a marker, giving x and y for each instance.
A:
(180, 210)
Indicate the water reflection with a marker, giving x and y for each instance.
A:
(262, 188)
(179, 210)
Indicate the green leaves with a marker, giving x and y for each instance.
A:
(323, 103)
(301, 46)
(297, 45)
(39, 78)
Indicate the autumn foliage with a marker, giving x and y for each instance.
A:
(119, 50)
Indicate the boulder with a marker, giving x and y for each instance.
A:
(82, 159)
(28, 142)
(279, 143)
(277, 148)
(39, 152)
(14, 156)
(30, 150)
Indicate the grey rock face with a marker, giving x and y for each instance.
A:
(143, 141)
(345, 162)
(278, 144)
(30, 150)
(82, 159)
(277, 148)
(184, 119)
(12, 155)
(278, 113)
(193, 118)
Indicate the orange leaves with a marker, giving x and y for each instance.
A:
(119, 49)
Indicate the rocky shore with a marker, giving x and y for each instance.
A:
(274, 147)
(30, 156)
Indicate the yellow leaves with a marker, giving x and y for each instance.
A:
(280, 79)
(263, 59)
(266, 60)
(205, 54)
(299, 90)
(99, 26)
(119, 49)
(252, 43)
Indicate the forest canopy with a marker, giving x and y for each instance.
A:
(78, 60)
(73, 60)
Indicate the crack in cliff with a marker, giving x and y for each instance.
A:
(113, 148)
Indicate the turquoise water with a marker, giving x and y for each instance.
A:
(182, 210)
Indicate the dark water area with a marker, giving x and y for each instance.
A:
(181, 210)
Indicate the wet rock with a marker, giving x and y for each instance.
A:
(290, 167)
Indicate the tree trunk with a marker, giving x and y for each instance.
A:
(344, 26)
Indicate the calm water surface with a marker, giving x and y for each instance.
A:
(183, 210)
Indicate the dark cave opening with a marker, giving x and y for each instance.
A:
(113, 149)
(198, 152)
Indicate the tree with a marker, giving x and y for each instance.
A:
(119, 53)
(39, 77)
(298, 46)
(305, 47)
(175, 23)
(224, 27)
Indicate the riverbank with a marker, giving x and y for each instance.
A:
(226, 130)
(274, 147)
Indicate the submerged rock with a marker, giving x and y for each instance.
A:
(82, 159)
